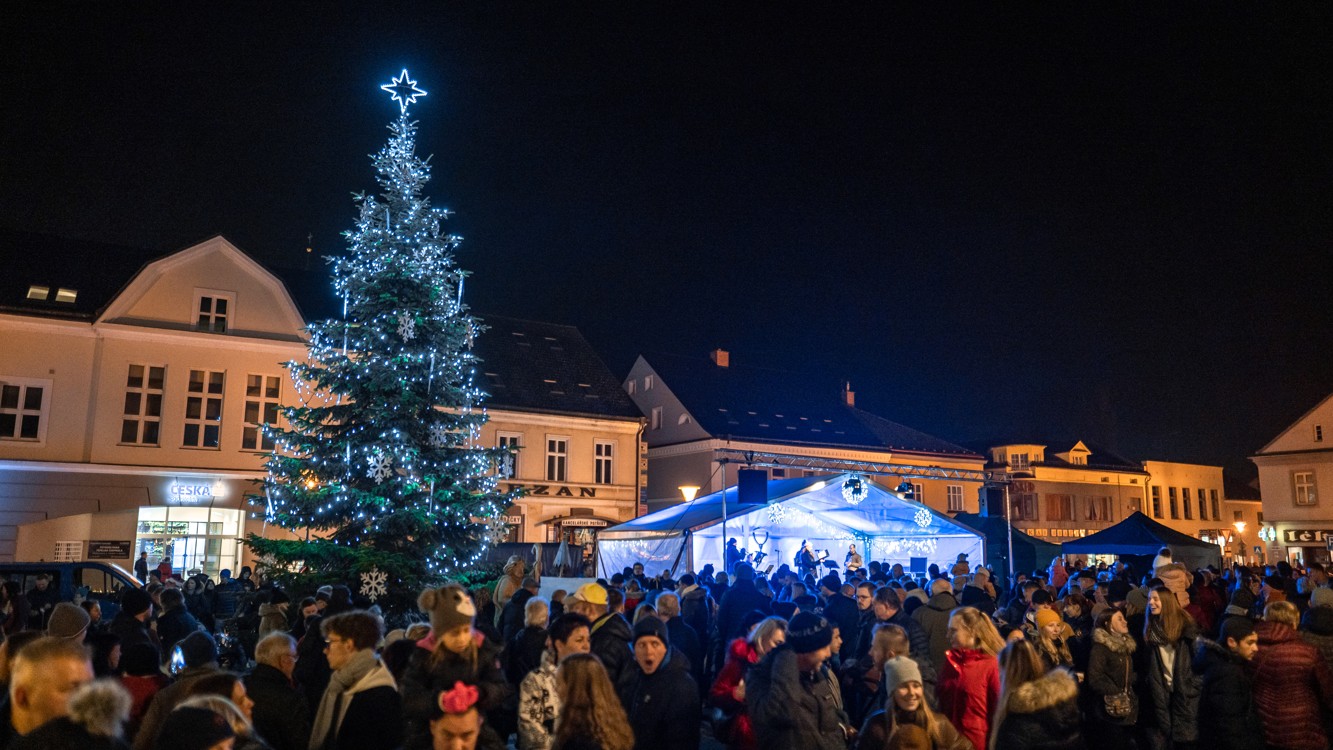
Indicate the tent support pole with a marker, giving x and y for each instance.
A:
(724, 519)
(1009, 529)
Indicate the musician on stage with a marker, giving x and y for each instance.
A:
(853, 560)
(805, 559)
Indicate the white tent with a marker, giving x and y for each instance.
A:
(881, 524)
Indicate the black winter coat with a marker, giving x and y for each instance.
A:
(1174, 710)
(742, 599)
(687, 642)
(791, 710)
(512, 616)
(611, 636)
(1110, 672)
(1226, 704)
(423, 680)
(173, 625)
(281, 714)
(975, 596)
(663, 707)
(841, 611)
(1043, 715)
(523, 653)
(696, 608)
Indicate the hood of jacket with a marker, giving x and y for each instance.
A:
(1050, 690)
(693, 591)
(1274, 633)
(1210, 654)
(101, 707)
(943, 602)
(1318, 620)
(1120, 644)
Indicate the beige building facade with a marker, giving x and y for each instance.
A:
(1294, 469)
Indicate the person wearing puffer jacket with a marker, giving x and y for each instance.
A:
(1110, 672)
(1227, 702)
(1292, 685)
(1038, 709)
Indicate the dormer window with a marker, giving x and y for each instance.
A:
(213, 310)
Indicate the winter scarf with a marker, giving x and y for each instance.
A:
(357, 667)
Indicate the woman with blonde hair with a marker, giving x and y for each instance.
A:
(1170, 698)
(969, 681)
(728, 692)
(907, 708)
(591, 717)
(246, 738)
(1037, 708)
(1292, 685)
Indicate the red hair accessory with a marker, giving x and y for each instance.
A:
(459, 699)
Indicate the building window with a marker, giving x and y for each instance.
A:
(557, 458)
(1203, 504)
(1024, 506)
(508, 466)
(629, 386)
(649, 381)
(142, 421)
(1079, 460)
(603, 461)
(919, 493)
(1319, 433)
(261, 407)
(1303, 484)
(213, 311)
(37, 291)
(23, 408)
(683, 419)
(955, 495)
(657, 418)
(1185, 500)
(779, 473)
(1156, 502)
(1135, 505)
(1099, 508)
(1018, 462)
(1212, 500)
(1059, 507)
(1175, 507)
(203, 410)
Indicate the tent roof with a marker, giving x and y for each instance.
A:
(882, 513)
(1136, 535)
(993, 527)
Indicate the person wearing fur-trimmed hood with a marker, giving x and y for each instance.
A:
(1038, 709)
(1110, 673)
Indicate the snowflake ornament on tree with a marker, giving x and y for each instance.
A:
(407, 327)
(374, 584)
(381, 467)
(439, 436)
(497, 531)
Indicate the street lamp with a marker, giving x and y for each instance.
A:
(1240, 527)
(688, 491)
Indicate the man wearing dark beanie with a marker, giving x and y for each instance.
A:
(1226, 698)
(792, 698)
(130, 624)
(659, 695)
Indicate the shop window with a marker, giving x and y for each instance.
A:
(1303, 485)
(24, 403)
(261, 408)
(203, 410)
(141, 423)
(603, 461)
(954, 492)
(557, 459)
(508, 466)
(213, 310)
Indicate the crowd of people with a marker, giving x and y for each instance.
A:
(1072, 656)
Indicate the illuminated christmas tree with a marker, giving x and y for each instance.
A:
(381, 470)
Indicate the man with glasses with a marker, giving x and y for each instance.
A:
(360, 709)
(281, 714)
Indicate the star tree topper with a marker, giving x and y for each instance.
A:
(403, 90)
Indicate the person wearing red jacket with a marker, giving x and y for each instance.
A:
(969, 683)
(728, 691)
(1292, 684)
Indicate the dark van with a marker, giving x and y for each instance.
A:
(101, 582)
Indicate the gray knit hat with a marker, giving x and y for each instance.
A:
(67, 621)
(898, 670)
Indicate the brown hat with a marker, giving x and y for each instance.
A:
(449, 607)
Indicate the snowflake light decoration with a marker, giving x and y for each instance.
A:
(922, 517)
(439, 436)
(381, 467)
(374, 584)
(497, 531)
(854, 490)
(407, 327)
(777, 513)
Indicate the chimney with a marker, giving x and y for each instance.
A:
(848, 395)
(720, 357)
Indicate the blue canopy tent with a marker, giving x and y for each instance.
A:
(884, 527)
(1140, 537)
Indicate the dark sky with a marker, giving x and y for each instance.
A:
(1108, 224)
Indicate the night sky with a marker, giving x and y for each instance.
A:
(1105, 224)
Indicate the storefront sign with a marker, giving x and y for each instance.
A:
(591, 523)
(550, 490)
(1305, 536)
(189, 492)
(102, 549)
(513, 520)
